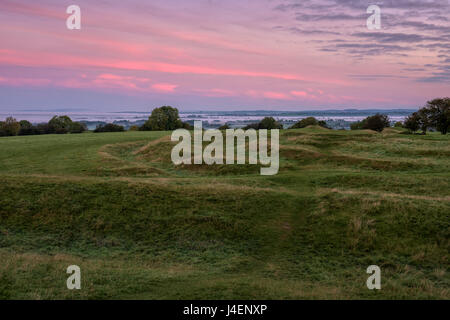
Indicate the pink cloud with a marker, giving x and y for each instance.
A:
(275, 95)
(216, 92)
(34, 82)
(164, 87)
(47, 59)
(299, 93)
(109, 76)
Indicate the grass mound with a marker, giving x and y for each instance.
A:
(141, 228)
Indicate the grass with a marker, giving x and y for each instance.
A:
(141, 228)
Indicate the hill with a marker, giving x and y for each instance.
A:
(141, 228)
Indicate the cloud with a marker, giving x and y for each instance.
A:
(384, 37)
(216, 92)
(330, 17)
(275, 95)
(299, 93)
(164, 87)
(18, 82)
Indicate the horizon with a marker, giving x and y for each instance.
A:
(87, 111)
(275, 55)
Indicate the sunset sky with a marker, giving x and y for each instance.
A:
(222, 54)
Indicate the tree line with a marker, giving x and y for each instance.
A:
(58, 125)
(435, 115)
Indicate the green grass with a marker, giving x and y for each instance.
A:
(141, 228)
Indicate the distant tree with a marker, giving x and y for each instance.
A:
(398, 124)
(10, 127)
(59, 124)
(42, 128)
(310, 121)
(323, 124)
(252, 126)
(26, 128)
(187, 126)
(163, 119)
(358, 125)
(268, 123)
(424, 120)
(376, 122)
(412, 122)
(224, 127)
(77, 127)
(438, 114)
(109, 127)
(134, 128)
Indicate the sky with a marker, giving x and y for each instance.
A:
(135, 55)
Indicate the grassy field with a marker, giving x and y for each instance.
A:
(141, 228)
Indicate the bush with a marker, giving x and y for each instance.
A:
(187, 126)
(398, 124)
(59, 124)
(42, 128)
(252, 126)
(10, 127)
(224, 127)
(266, 123)
(412, 122)
(26, 128)
(134, 128)
(310, 121)
(164, 119)
(438, 114)
(359, 125)
(77, 127)
(376, 122)
(109, 127)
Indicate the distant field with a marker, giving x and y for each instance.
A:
(141, 228)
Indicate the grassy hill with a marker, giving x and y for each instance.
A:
(139, 227)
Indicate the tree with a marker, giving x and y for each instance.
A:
(358, 125)
(42, 128)
(438, 114)
(376, 122)
(163, 119)
(310, 121)
(424, 120)
(323, 124)
(252, 126)
(268, 123)
(224, 127)
(77, 127)
(26, 128)
(59, 124)
(412, 122)
(398, 124)
(10, 127)
(109, 127)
